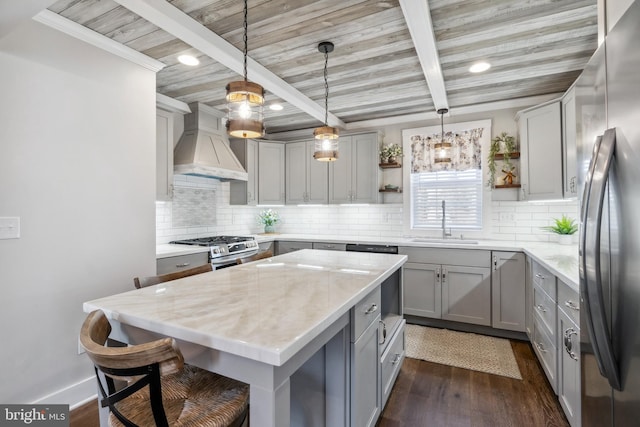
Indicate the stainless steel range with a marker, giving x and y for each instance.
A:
(224, 250)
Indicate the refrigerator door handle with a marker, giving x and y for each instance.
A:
(590, 268)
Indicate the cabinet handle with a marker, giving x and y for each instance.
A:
(572, 185)
(384, 333)
(396, 358)
(540, 347)
(438, 274)
(541, 308)
(444, 275)
(540, 276)
(568, 344)
(371, 309)
(524, 192)
(495, 263)
(572, 305)
(184, 264)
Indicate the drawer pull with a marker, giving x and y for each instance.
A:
(184, 264)
(572, 305)
(568, 344)
(540, 347)
(371, 309)
(384, 333)
(396, 358)
(541, 308)
(540, 276)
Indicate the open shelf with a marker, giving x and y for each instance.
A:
(390, 165)
(514, 155)
(384, 190)
(507, 186)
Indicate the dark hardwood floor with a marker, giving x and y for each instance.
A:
(433, 395)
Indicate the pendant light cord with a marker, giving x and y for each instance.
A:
(326, 90)
(245, 38)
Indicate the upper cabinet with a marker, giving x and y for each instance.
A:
(306, 178)
(353, 178)
(569, 162)
(164, 155)
(540, 130)
(245, 192)
(264, 163)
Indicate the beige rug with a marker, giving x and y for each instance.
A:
(463, 350)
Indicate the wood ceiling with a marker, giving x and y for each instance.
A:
(536, 47)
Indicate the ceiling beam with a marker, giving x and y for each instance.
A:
(182, 26)
(418, 17)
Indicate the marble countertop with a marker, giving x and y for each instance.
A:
(562, 260)
(265, 310)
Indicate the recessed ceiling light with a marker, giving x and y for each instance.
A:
(188, 60)
(479, 67)
(276, 107)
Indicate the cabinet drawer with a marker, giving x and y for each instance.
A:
(545, 349)
(330, 246)
(181, 262)
(568, 301)
(543, 278)
(544, 309)
(285, 247)
(364, 313)
(391, 362)
(464, 257)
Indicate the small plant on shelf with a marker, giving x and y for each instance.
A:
(389, 153)
(504, 144)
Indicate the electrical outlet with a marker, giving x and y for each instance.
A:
(507, 216)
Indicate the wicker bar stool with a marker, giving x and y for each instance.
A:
(142, 282)
(256, 257)
(159, 388)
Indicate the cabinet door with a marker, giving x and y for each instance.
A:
(364, 169)
(569, 161)
(271, 171)
(569, 368)
(422, 290)
(508, 291)
(340, 174)
(164, 155)
(317, 178)
(466, 294)
(365, 378)
(541, 146)
(284, 247)
(245, 192)
(529, 298)
(296, 175)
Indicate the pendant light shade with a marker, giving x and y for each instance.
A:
(443, 149)
(245, 101)
(326, 146)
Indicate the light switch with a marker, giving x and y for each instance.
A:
(10, 228)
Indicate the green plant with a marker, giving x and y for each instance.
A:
(563, 225)
(509, 143)
(268, 217)
(391, 150)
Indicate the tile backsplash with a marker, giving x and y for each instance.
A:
(200, 207)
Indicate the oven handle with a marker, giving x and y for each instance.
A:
(231, 259)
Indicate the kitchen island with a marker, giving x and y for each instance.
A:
(264, 323)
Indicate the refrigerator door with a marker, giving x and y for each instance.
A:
(623, 99)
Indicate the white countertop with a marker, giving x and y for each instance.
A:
(561, 260)
(266, 310)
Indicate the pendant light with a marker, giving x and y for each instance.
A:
(443, 149)
(326, 146)
(244, 102)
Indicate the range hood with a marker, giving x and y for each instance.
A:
(203, 149)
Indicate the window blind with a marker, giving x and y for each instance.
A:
(462, 192)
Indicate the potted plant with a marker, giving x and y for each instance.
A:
(504, 144)
(564, 227)
(390, 153)
(269, 218)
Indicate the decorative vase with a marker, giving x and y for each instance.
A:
(392, 159)
(384, 160)
(269, 228)
(565, 239)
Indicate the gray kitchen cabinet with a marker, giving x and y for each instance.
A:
(569, 353)
(284, 247)
(508, 291)
(180, 262)
(164, 155)
(245, 192)
(436, 288)
(529, 298)
(353, 178)
(271, 172)
(307, 180)
(540, 132)
(330, 246)
(543, 308)
(569, 158)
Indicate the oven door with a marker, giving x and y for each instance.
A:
(231, 259)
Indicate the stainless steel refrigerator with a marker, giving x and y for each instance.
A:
(608, 131)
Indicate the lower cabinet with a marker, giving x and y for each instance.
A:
(508, 291)
(180, 262)
(284, 247)
(330, 246)
(569, 353)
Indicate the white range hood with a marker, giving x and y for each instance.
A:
(203, 149)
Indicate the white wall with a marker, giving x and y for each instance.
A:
(77, 165)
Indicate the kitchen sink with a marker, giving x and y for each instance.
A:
(451, 241)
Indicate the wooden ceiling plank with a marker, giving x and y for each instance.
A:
(418, 18)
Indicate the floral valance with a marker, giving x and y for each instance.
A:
(466, 151)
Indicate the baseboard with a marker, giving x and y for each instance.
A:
(466, 327)
(75, 395)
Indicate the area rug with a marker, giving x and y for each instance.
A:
(463, 350)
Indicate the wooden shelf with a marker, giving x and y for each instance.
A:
(390, 165)
(507, 186)
(514, 155)
(384, 190)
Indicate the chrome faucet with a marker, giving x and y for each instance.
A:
(444, 229)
